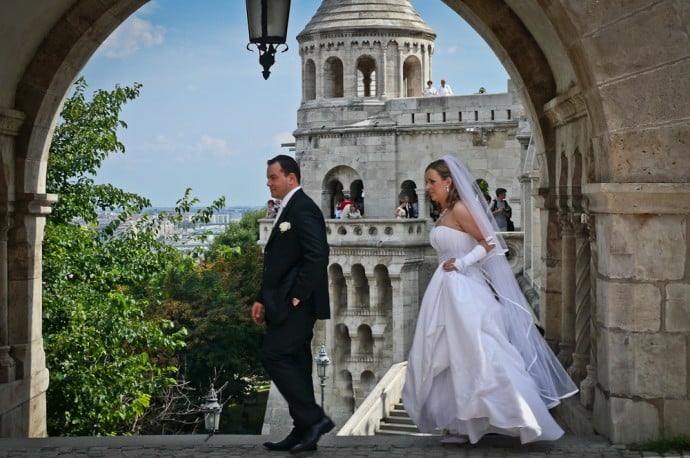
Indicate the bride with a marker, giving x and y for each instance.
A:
(478, 364)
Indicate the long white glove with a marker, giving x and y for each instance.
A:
(477, 254)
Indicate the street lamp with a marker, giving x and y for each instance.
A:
(322, 361)
(211, 409)
(268, 23)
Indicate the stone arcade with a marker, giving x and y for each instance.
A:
(605, 209)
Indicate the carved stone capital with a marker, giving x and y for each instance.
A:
(35, 204)
(566, 108)
(10, 121)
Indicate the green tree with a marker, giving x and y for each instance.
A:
(107, 356)
(85, 137)
(211, 299)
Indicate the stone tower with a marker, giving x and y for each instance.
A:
(365, 131)
(356, 55)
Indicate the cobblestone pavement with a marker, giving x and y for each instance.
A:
(229, 446)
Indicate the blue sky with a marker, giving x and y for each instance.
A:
(207, 119)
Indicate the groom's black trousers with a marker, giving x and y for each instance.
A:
(286, 356)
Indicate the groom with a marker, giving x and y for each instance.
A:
(293, 295)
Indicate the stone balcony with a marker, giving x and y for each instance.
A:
(393, 233)
(367, 232)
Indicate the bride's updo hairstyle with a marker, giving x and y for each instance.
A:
(442, 169)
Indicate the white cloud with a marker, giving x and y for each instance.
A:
(160, 143)
(284, 137)
(130, 36)
(208, 147)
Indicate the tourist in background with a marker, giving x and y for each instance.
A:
(444, 89)
(404, 209)
(430, 90)
(271, 209)
(501, 210)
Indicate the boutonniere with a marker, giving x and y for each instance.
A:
(284, 226)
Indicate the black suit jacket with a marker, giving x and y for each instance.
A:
(296, 262)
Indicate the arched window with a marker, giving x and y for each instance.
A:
(342, 344)
(412, 77)
(360, 285)
(365, 341)
(338, 289)
(333, 78)
(384, 290)
(357, 194)
(339, 183)
(408, 189)
(367, 382)
(366, 77)
(347, 395)
(309, 80)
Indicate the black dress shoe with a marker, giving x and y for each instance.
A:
(312, 437)
(283, 446)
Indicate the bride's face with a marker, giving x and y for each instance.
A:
(436, 186)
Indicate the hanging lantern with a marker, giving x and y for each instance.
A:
(268, 23)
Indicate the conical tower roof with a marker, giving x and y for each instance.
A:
(351, 15)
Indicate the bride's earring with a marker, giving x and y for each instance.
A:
(447, 188)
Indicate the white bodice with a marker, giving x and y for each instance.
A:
(451, 243)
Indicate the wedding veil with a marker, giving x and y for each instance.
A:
(540, 362)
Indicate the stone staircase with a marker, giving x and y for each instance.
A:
(397, 422)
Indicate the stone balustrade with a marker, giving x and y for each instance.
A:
(487, 108)
(385, 233)
(367, 232)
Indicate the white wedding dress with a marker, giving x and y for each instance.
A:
(463, 374)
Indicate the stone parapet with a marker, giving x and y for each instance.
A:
(481, 108)
(378, 233)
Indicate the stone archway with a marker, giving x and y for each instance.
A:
(598, 81)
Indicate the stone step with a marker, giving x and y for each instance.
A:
(406, 420)
(398, 422)
(399, 427)
(391, 432)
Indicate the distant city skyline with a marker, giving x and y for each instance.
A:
(206, 119)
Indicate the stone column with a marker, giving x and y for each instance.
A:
(526, 196)
(326, 203)
(351, 293)
(402, 90)
(590, 382)
(25, 306)
(548, 246)
(10, 123)
(580, 356)
(7, 364)
(422, 208)
(318, 77)
(565, 355)
(349, 72)
(381, 74)
(642, 315)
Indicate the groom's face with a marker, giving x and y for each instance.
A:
(279, 183)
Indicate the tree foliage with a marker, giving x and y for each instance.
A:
(211, 300)
(134, 331)
(85, 137)
(102, 349)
